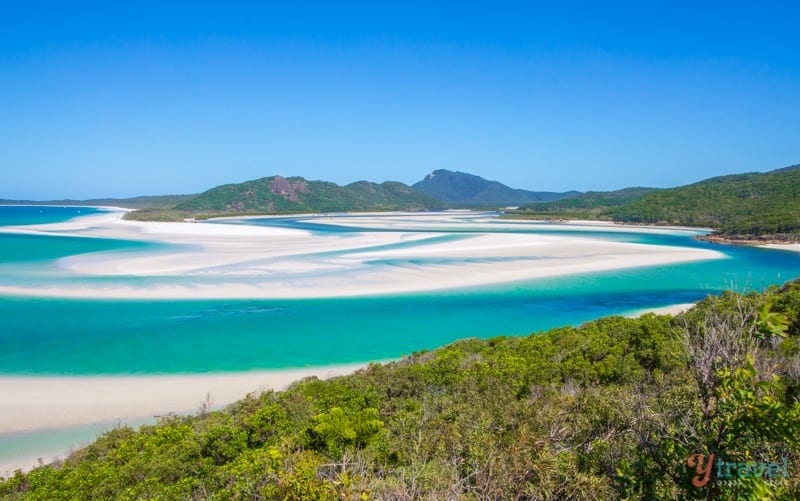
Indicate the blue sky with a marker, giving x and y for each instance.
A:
(145, 98)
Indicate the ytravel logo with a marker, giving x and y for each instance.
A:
(708, 467)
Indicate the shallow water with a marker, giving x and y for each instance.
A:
(80, 336)
(86, 337)
(14, 215)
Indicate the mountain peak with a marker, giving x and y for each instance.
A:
(461, 188)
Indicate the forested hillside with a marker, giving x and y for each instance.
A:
(744, 205)
(277, 194)
(593, 201)
(753, 206)
(612, 409)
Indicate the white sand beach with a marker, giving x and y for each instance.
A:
(31, 403)
(786, 247)
(226, 260)
(672, 309)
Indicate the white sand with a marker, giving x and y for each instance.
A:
(489, 220)
(786, 247)
(49, 403)
(241, 261)
(673, 309)
(33, 403)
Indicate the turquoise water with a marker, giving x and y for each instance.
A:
(15, 215)
(78, 336)
(49, 444)
(22, 248)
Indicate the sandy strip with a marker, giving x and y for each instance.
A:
(673, 309)
(33, 403)
(490, 221)
(55, 405)
(243, 261)
(786, 247)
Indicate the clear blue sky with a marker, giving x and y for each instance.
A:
(129, 98)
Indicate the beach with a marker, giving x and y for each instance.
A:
(786, 247)
(34, 403)
(396, 254)
(408, 255)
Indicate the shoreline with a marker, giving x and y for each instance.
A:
(413, 253)
(69, 412)
(82, 400)
(80, 407)
(755, 241)
(670, 309)
(791, 247)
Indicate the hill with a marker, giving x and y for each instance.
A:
(277, 194)
(612, 409)
(746, 206)
(461, 189)
(594, 200)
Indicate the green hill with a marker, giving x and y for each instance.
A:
(608, 410)
(461, 189)
(737, 206)
(277, 194)
(594, 200)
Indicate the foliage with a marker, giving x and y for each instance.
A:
(276, 195)
(592, 201)
(611, 409)
(737, 206)
(744, 207)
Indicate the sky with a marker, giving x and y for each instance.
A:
(118, 99)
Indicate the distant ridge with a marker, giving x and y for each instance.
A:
(462, 189)
(142, 202)
(277, 194)
(595, 200)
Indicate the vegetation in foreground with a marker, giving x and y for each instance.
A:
(612, 409)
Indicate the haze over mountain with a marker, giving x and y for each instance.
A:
(460, 188)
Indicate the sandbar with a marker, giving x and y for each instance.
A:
(395, 254)
(786, 247)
